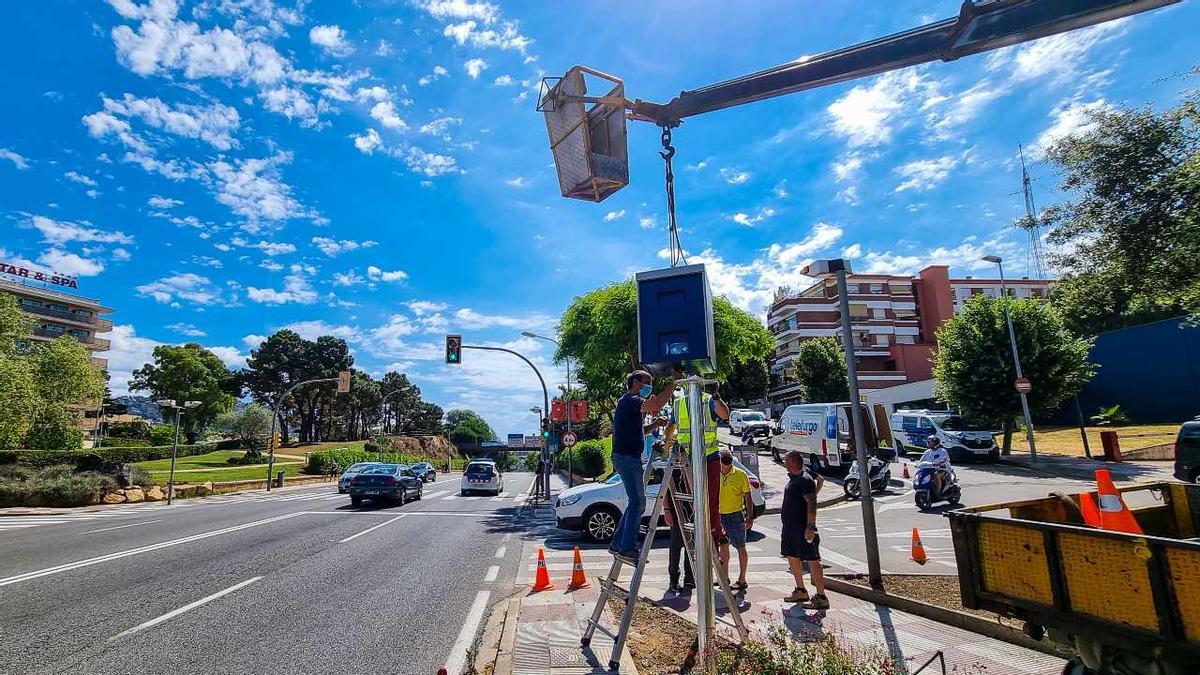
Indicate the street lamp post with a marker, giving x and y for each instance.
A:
(1012, 338)
(570, 472)
(178, 406)
(275, 418)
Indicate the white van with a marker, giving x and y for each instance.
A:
(821, 431)
(912, 429)
(753, 420)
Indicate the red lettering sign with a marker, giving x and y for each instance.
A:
(38, 275)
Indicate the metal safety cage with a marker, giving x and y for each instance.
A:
(588, 143)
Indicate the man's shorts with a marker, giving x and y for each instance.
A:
(734, 525)
(797, 547)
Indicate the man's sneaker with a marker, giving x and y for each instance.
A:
(674, 587)
(799, 594)
(819, 601)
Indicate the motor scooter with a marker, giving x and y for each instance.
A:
(879, 470)
(924, 490)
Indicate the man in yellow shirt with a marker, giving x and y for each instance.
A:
(737, 516)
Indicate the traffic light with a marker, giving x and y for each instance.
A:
(545, 427)
(454, 349)
(273, 442)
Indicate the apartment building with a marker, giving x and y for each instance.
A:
(893, 322)
(58, 313)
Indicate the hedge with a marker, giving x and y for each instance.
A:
(230, 444)
(591, 459)
(322, 461)
(97, 456)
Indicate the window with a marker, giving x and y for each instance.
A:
(30, 303)
(876, 288)
(851, 288)
(79, 332)
(905, 314)
(877, 313)
(81, 312)
(52, 329)
(881, 341)
(904, 340)
(60, 308)
(858, 311)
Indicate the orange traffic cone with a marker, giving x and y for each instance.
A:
(578, 576)
(1087, 505)
(1114, 515)
(541, 582)
(904, 474)
(918, 550)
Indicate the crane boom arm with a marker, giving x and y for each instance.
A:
(981, 26)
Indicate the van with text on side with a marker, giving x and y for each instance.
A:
(912, 429)
(822, 432)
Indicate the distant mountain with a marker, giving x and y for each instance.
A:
(142, 406)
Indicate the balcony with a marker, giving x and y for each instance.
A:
(94, 342)
(67, 316)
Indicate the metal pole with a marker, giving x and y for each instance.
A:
(570, 472)
(874, 573)
(271, 441)
(1012, 337)
(1087, 450)
(174, 453)
(705, 606)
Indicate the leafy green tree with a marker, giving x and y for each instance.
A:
(821, 369)
(466, 426)
(15, 325)
(1129, 240)
(19, 401)
(598, 332)
(425, 420)
(747, 381)
(402, 399)
(973, 365)
(189, 373)
(64, 374)
(250, 425)
(270, 370)
(55, 427)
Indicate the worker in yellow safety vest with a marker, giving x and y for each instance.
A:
(717, 410)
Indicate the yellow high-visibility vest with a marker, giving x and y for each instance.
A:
(683, 420)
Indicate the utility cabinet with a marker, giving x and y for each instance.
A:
(675, 320)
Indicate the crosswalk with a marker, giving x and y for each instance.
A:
(24, 522)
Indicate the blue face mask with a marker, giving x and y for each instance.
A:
(645, 390)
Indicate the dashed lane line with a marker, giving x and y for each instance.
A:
(458, 653)
(501, 551)
(186, 608)
(492, 573)
(372, 529)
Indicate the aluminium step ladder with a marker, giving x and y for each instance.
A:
(677, 473)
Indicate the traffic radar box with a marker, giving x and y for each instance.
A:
(675, 320)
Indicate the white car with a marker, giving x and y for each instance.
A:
(596, 508)
(754, 421)
(482, 476)
(349, 474)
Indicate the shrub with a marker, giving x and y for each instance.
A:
(589, 459)
(252, 456)
(124, 443)
(56, 485)
(321, 461)
(140, 476)
(55, 428)
(96, 457)
(230, 444)
(531, 460)
(138, 429)
(1112, 416)
(162, 434)
(781, 654)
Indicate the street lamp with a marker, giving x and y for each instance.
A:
(1012, 338)
(178, 406)
(529, 334)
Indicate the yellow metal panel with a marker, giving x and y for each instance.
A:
(1014, 562)
(1108, 579)
(1185, 528)
(1185, 576)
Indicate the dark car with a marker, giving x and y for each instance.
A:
(385, 482)
(424, 471)
(1187, 452)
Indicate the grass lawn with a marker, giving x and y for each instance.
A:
(1066, 440)
(241, 473)
(211, 460)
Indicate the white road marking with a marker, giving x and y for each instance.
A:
(121, 527)
(433, 495)
(448, 498)
(521, 497)
(501, 551)
(139, 550)
(373, 528)
(492, 573)
(458, 653)
(457, 514)
(186, 608)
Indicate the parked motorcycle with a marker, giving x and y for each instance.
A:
(924, 490)
(879, 470)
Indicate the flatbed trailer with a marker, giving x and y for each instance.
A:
(1117, 603)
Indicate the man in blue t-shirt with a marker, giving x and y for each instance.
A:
(629, 431)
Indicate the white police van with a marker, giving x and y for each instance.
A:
(912, 429)
(822, 432)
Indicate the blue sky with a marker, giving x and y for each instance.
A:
(376, 170)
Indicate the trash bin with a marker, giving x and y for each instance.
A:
(279, 479)
(1112, 446)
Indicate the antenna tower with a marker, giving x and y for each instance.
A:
(1036, 258)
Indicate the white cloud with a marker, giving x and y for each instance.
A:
(866, 115)
(848, 167)
(376, 274)
(1060, 58)
(253, 341)
(296, 288)
(332, 39)
(70, 264)
(17, 160)
(647, 223)
(438, 73)
(750, 221)
(966, 106)
(475, 67)
(852, 251)
(254, 189)
(440, 125)
(350, 278)
(271, 265)
(518, 182)
(187, 286)
(470, 319)
(292, 103)
(385, 112)
(311, 330)
(214, 124)
(79, 178)
(453, 10)
(925, 174)
(187, 329)
(369, 142)
(508, 37)
(428, 163)
(332, 247)
(1070, 118)
(273, 248)
(734, 176)
(375, 93)
(121, 254)
(384, 48)
(62, 231)
(504, 81)
(780, 189)
(126, 353)
(426, 307)
(163, 202)
(230, 356)
(965, 257)
(613, 215)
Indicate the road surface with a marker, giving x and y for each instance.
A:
(287, 582)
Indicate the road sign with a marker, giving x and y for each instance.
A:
(516, 440)
(343, 382)
(454, 349)
(533, 441)
(569, 439)
(1023, 385)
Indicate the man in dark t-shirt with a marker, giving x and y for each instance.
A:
(799, 541)
(628, 442)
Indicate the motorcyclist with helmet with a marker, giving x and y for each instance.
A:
(938, 459)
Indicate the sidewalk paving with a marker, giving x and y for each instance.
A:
(1085, 469)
